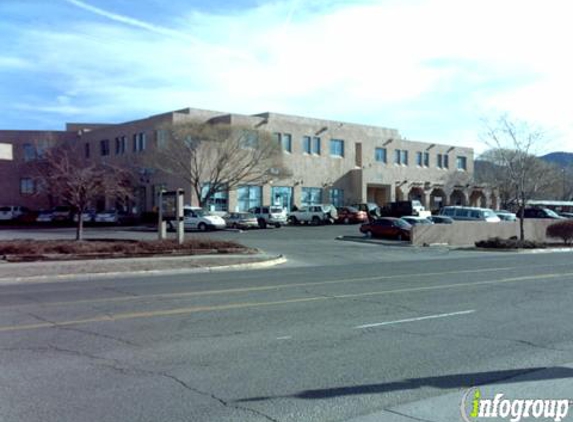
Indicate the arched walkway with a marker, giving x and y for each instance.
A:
(416, 194)
(458, 198)
(438, 199)
(478, 199)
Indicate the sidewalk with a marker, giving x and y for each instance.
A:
(14, 273)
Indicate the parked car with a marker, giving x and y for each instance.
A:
(404, 208)
(440, 219)
(390, 227)
(415, 220)
(347, 215)
(12, 212)
(195, 218)
(470, 214)
(541, 213)
(113, 216)
(61, 214)
(241, 220)
(314, 214)
(273, 215)
(45, 216)
(506, 216)
(566, 214)
(88, 216)
(371, 209)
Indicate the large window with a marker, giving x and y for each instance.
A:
(249, 197)
(216, 202)
(282, 196)
(461, 163)
(337, 147)
(422, 159)
(120, 144)
(426, 159)
(311, 196)
(336, 197)
(443, 161)
(27, 186)
(419, 161)
(380, 154)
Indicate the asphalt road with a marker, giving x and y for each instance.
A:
(376, 329)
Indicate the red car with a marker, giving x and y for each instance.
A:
(390, 227)
(347, 215)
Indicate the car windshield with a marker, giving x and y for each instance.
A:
(551, 213)
(403, 223)
(276, 210)
(5, 209)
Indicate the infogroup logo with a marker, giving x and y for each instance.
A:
(475, 408)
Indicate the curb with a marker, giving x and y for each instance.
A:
(6, 281)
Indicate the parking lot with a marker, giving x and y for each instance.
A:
(301, 245)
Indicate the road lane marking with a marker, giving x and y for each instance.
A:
(256, 289)
(400, 321)
(196, 309)
(284, 338)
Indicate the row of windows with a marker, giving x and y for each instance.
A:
(35, 151)
(251, 196)
(139, 143)
(422, 159)
(310, 144)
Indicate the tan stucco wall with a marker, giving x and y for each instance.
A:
(466, 233)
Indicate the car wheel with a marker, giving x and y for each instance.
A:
(293, 220)
(262, 223)
(368, 234)
(315, 220)
(346, 220)
(277, 225)
(399, 237)
(202, 227)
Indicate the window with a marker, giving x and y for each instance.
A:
(337, 147)
(134, 143)
(306, 144)
(419, 161)
(316, 145)
(281, 196)
(161, 137)
(336, 197)
(286, 141)
(443, 162)
(141, 141)
(216, 202)
(249, 197)
(461, 163)
(104, 147)
(120, 142)
(311, 196)
(404, 157)
(401, 157)
(380, 155)
(87, 150)
(249, 140)
(27, 186)
(426, 159)
(29, 152)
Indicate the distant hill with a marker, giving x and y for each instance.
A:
(561, 159)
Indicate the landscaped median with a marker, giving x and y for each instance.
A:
(41, 261)
(58, 250)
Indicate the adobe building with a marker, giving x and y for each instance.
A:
(330, 162)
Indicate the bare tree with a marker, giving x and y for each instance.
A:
(515, 170)
(64, 174)
(216, 157)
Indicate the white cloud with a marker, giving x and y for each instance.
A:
(377, 62)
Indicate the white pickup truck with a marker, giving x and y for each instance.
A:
(314, 214)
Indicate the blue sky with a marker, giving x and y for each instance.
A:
(433, 69)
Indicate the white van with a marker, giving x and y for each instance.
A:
(470, 214)
(12, 212)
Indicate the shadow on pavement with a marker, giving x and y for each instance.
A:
(443, 382)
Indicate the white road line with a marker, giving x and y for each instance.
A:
(284, 338)
(416, 319)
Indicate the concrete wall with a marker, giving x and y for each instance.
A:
(466, 233)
